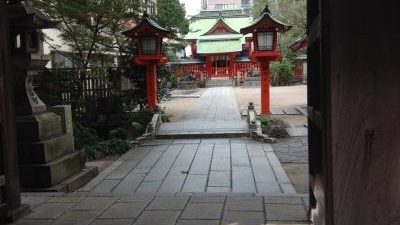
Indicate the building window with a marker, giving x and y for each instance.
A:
(265, 41)
(224, 6)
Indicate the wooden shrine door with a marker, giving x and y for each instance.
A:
(354, 112)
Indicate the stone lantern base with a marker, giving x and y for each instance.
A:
(47, 159)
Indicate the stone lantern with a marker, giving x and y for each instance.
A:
(46, 157)
(149, 35)
(264, 49)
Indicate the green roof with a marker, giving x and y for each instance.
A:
(219, 46)
(198, 27)
(220, 37)
(218, 43)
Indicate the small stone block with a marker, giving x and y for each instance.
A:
(270, 140)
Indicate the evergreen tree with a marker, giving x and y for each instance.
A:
(172, 15)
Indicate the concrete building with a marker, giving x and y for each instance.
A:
(219, 5)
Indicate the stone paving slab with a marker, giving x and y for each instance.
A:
(240, 217)
(124, 210)
(254, 204)
(158, 217)
(168, 203)
(238, 165)
(198, 222)
(112, 221)
(277, 112)
(203, 211)
(173, 210)
(291, 111)
(285, 212)
(215, 112)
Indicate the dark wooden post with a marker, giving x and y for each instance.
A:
(10, 198)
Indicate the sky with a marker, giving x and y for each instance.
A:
(192, 6)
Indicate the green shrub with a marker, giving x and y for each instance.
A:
(174, 81)
(84, 136)
(201, 84)
(274, 127)
(118, 133)
(282, 73)
(107, 147)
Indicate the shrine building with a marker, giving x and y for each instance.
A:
(217, 48)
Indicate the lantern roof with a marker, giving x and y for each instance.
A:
(23, 16)
(147, 26)
(266, 22)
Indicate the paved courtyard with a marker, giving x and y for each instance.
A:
(191, 181)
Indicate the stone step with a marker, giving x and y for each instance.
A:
(188, 135)
(45, 151)
(72, 183)
(220, 83)
(51, 173)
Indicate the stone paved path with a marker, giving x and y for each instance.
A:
(215, 112)
(238, 165)
(164, 210)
